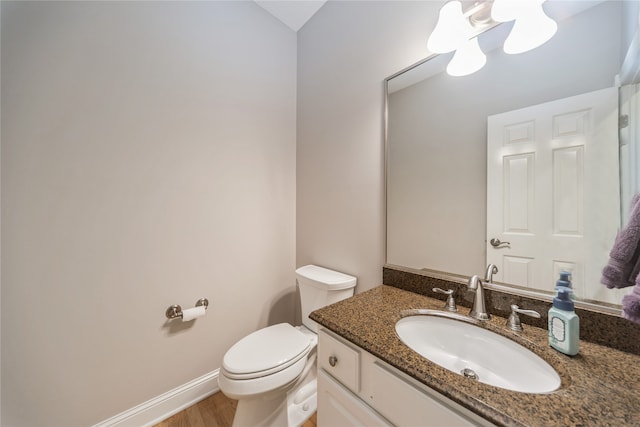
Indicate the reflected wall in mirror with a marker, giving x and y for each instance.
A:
(568, 198)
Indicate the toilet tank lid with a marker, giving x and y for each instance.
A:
(331, 279)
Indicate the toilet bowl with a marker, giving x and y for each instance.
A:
(272, 371)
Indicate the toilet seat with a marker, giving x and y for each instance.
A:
(265, 352)
(244, 389)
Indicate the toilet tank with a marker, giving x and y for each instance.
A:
(320, 287)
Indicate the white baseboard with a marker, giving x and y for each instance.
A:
(162, 407)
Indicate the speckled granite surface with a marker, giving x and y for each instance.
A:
(600, 386)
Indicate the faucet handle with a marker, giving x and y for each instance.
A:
(450, 305)
(513, 322)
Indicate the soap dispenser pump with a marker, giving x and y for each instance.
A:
(564, 282)
(564, 324)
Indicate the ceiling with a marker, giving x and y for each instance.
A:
(294, 13)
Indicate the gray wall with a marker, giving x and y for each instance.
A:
(148, 159)
(344, 54)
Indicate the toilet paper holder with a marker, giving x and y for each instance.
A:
(175, 311)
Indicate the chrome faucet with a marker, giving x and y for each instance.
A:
(491, 270)
(479, 310)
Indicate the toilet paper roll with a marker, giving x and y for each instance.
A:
(192, 313)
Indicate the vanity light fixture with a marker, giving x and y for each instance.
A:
(457, 30)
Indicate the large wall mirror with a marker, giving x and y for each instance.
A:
(465, 164)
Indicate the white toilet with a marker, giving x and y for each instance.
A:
(272, 372)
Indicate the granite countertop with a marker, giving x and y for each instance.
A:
(600, 386)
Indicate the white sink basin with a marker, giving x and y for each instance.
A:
(457, 344)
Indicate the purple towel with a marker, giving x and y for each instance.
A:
(631, 305)
(624, 258)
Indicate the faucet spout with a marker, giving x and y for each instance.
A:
(491, 270)
(479, 310)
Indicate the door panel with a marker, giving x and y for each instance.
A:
(553, 190)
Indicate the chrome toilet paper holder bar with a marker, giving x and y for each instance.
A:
(175, 311)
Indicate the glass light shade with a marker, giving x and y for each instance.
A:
(531, 29)
(468, 59)
(451, 31)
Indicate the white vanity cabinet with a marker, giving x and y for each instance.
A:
(357, 389)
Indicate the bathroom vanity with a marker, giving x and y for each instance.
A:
(355, 385)
(367, 376)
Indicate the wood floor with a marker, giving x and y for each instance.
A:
(215, 411)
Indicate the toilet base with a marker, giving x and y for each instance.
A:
(302, 401)
(285, 407)
(261, 412)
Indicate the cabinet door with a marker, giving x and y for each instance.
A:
(406, 405)
(338, 407)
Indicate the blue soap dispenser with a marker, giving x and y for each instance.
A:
(564, 324)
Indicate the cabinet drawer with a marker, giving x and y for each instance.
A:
(339, 359)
